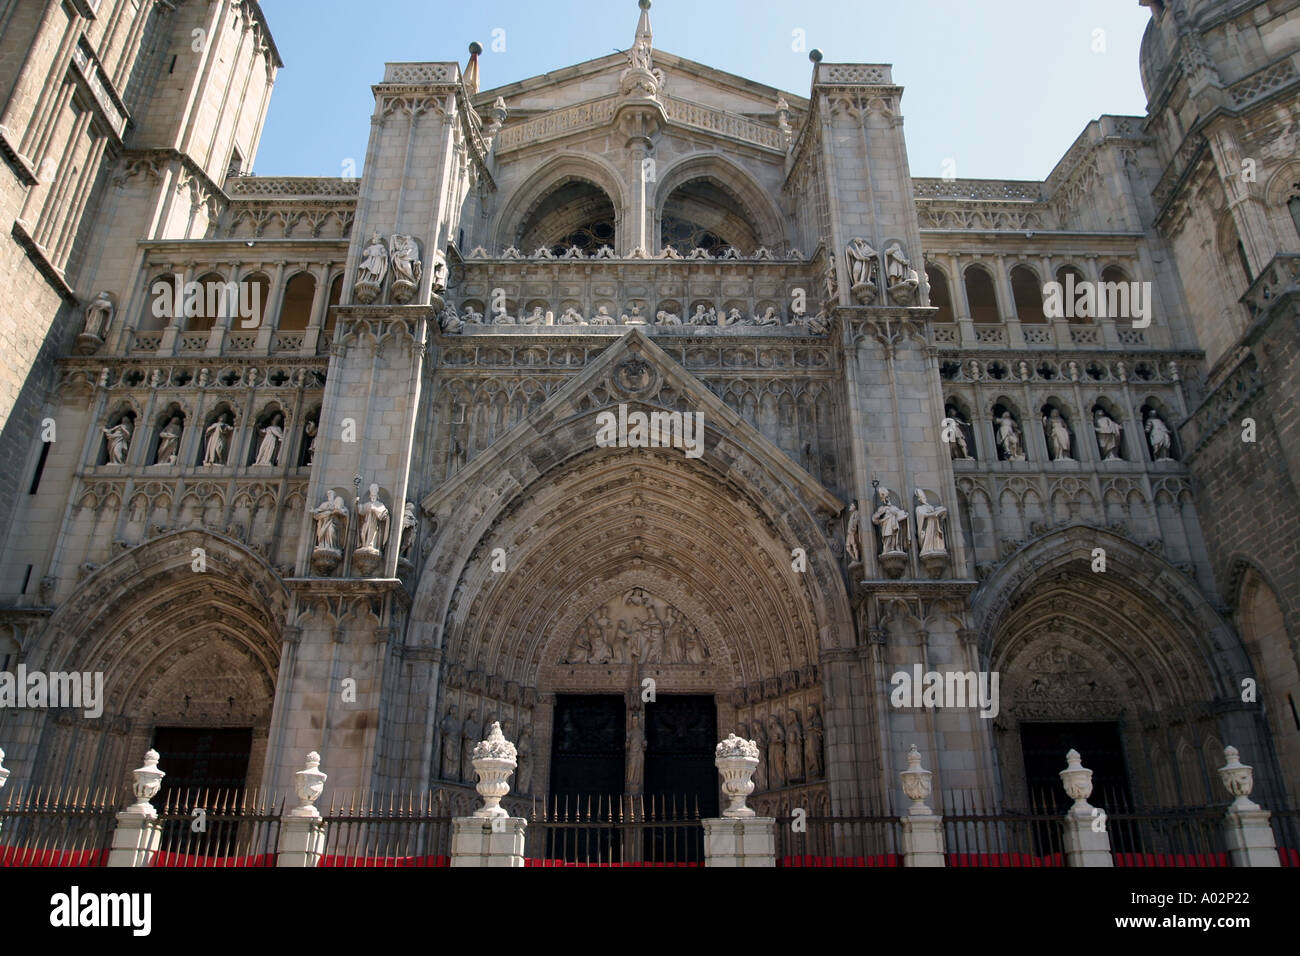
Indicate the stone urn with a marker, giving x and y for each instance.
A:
(1077, 781)
(737, 759)
(1238, 779)
(309, 784)
(146, 782)
(864, 293)
(495, 759)
(916, 783)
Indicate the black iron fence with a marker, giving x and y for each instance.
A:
(391, 830)
(659, 830)
(57, 826)
(225, 828)
(804, 841)
(975, 837)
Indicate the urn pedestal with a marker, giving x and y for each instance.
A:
(935, 562)
(365, 293)
(366, 560)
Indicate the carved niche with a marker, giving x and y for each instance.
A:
(637, 627)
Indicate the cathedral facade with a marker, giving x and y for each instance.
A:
(640, 403)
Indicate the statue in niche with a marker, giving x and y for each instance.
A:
(372, 270)
(99, 315)
(760, 741)
(903, 279)
(272, 438)
(667, 318)
(862, 261)
(472, 316)
(635, 777)
(503, 317)
(1108, 434)
(768, 318)
(814, 756)
(929, 524)
(602, 317)
(1009, 438)
(118, 440)
(890, 518)
(310, 430)
(406, 259)
(1058, 435)
(409, 523)
(733, 317)
(830, 283)
(700, 317)
(793, 747)
(439, 281)
(327, 516)
(524, 750)
(169, 442)
(450, 729)
(817, 324)
(775, 752)
(215, 438)
(537, 317)
(469, 736)
(851, 532)
(449, 321)
(634, 317)
(373, 517)
(572, 316)
(953, 425)
(1159, 437)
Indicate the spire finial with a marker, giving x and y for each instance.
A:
(643, 31)
(471, 68)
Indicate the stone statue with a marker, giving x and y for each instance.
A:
(1058, 435)
(667, 318)
(469, 736)
(537, 317)
(929, 525)
(699, 317)
(572, 316)
(793, 747)
(903, 279)
(851, 532)
(1009, 438)
(760, 740)
(472, 316)
(775, 751)
(862, 270)
(272, 438)
(889, 518)
(817, 324)
(449, 321)
(524, 751)
(695, 650)
(450, 729)
(602, 317)
(118, 439)
(634, 317)
(409, 523)
(215, 437)
(733, 317)
(503, 317)
(406, 267)
(830, 283)
(373, 516)
(635, 779)
(326, 516)
(952, 425)
(768, 318)
(169, 442)
(310, 430)
(372, 270)
(99, 314)
(1108, 432)
(1158, 436)
(814, 755)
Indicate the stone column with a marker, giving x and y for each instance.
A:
(1246, 828)
(739, 837)
(922, 827)
(302, 832)
(1086, 841)
(139, 832)
(490, 837)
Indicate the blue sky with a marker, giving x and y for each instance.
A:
(1001, 87)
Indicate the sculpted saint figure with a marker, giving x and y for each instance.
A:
(851, 533)
(536, 317)
(406, 259)
(214, 440)
(776, 751)
(889, 518)
(1159, 436)
(954, 426)
(119, 441)
(667, 318)
(373, 515)
(1108, 432)
(572, 316)
(450, 727)
(99, 313)
(374, 261)
(272, 437)
(169, 442)
(793, 747)
(327, 516)
(524, 750)
(472, 316)
(897, 268)
(768, 318)
(699, 316)
(814, 759)
(469, 735)
(1058, 436)
(1009, 438)
(409, 522)
(602, 317)
(929, 521)
(635, 753)
(862, 265)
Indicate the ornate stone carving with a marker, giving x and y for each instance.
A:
(1057, 433)
(372, 532)
(1010, 445)
(99, 316)
(117, 440)
(405, 251)
(903, 279)
(329, 517)
(639, 628)
(863, 262)
(268, 451)
(1108, 435)
(169, 442)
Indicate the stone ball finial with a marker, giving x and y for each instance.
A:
(475, 48)
(815, 55)
(643, 4)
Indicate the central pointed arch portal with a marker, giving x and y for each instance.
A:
(585, 571)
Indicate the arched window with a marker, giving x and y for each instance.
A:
(295, 309)
(575, 213)
(1073, 300)
(213, 298)
(1027, 291)
(159, 305)
(940, 297)
(980, 296)
(703, 214)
